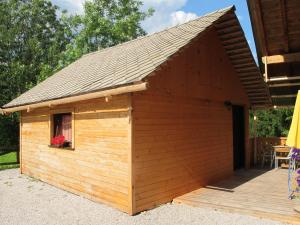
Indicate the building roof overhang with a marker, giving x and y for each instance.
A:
(276, 29)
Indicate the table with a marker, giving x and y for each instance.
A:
(281, 152)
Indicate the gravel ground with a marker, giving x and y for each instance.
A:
(27, 201)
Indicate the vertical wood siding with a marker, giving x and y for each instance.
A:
(98, 167)
(182, 132)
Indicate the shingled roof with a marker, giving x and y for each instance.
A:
(121, 65)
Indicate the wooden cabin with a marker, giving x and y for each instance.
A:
(148, 120)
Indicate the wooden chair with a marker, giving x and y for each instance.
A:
(267, 154)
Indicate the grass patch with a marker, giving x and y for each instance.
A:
(8, 161)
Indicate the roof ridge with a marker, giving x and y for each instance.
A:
(232, 7)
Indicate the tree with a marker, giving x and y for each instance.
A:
(105, 23)
(272, 122)
(32, 39)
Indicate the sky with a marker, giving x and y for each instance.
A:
(173, 12)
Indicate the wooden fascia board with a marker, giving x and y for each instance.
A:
(258, 26)
(285, 58)
(104, 93)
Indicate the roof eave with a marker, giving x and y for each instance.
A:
(65, 100)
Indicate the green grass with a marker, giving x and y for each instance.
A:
(8, 161)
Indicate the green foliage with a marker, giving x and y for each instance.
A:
(9, 130)
(272, 122)
(32, 38)
(37, 39)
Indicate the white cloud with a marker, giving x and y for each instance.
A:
(167, 12)
(180, 17)
(72, 6)
(165, 4)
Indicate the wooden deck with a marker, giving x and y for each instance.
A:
(254, 192)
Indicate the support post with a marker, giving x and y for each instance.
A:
(266, 69)
(254, 138)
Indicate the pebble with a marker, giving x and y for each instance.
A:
(43, 204)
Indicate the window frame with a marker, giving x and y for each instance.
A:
(51, 126)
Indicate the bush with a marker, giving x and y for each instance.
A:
(271, 122)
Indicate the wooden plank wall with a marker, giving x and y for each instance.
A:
(98, 168)
(182, 132)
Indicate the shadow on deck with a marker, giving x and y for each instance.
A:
(254, 192)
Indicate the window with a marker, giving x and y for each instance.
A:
(61, 135)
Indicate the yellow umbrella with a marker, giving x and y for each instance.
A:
(293, 139)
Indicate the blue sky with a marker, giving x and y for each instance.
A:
(172, 12)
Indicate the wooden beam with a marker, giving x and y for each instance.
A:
(93, 95)
(20, 143)
(235, 45)
(255, 139)
(226, 23)
(232, 40)
(284, 25)
(230, 29)
(284, 96)
(266, 68)
(283, 78)
(259, 97)
(258, 101)
(285, 58)
(250, 81)
(246, 83)
(259, 29)
(238, 51)
(248, 69)
(239, 55)
(131, 160)
(284, 85)
(250, 86)
(248, 74)
(249, 78)
(241, 65)
(243, 60)
(231, 35)
(257, 91)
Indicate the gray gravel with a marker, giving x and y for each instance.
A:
(27, 201)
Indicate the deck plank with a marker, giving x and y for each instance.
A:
(255, 192)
